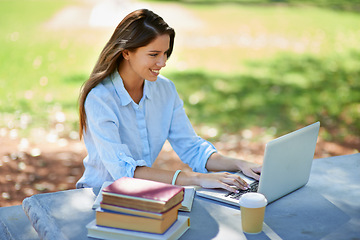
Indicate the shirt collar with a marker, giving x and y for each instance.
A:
(147, 89)
(124, 96)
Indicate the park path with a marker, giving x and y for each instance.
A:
(96, 14)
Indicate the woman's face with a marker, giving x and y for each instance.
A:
(146, 62)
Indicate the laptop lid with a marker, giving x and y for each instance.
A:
(287, 162)
(286, 166)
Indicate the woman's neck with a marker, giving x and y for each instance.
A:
(133, 85)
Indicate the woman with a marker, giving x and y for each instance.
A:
(128, 111)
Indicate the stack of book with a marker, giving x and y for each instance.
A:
(138, 208)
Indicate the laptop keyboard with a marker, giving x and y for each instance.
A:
(253, 188)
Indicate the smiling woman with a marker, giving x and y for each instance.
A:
(128, 111)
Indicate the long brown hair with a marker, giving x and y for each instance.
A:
(137, 29)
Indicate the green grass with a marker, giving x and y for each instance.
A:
(303, 69)
(290, 92)
(42, 68)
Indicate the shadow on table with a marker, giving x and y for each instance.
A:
(206, 226)
(299, 217)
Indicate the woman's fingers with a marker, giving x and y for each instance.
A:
(227, 187)
(227, 181)
(237, 181)
(253, 172)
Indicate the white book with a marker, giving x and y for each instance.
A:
(188, 199)
(181, 225)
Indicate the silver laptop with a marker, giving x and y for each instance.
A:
(286, 167)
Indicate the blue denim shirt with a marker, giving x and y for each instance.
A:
(122, 135)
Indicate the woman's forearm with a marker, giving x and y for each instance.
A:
(218, 162)
(161, 175)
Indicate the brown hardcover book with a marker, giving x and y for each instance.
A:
(155, 215)
(143, 194)
(137, 222)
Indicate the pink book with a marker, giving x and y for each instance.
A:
(143, 194)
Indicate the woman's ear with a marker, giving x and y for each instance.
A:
(125, 54)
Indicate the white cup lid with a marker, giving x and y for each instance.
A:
(252, 200)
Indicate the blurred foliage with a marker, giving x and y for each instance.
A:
(284, 93)
(42, 69)
(39, 70)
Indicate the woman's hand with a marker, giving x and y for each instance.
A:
(223, 180)
(251, 169)
(219, 162)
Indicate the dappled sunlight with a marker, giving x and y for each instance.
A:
(79, 201)
(342, 185)
(343, 182)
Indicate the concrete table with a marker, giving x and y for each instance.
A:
(328, 207)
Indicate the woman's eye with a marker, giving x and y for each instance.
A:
(153, 55)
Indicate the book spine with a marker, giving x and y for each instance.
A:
(174, 232)
(113, 236)
(130, 222)
(118, 209)
(122, 210)
(140, 205)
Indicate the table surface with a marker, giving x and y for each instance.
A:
(328, 207)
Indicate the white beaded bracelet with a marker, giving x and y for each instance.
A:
(175, 176)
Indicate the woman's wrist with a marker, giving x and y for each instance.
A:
(240, 164)
(188, 178)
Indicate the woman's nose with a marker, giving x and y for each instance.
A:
(162, 61)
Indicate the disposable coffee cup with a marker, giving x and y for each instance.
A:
(252, 207)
